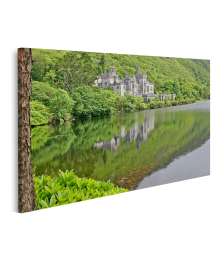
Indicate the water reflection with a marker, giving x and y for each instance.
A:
(138, 133)
(123, 148)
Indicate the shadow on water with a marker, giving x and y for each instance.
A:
(122, 148)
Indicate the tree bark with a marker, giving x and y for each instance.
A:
(26, 185)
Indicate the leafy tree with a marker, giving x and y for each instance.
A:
(58, 102)
(61, 105)
(40, 114)
(45, 61)
(77, 69)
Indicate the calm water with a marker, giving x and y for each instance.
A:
(134, 150)
(191, 165)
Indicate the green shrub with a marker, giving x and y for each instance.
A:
(93, 102)
(183, 101)
(61, 106)
(56, 100)
(166, 103)
(132, 103)
(156, 104)
(174, 102)
(67, 188)
(40, 114)
(128, 104)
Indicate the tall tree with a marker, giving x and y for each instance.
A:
(26, 186)
(77, 69)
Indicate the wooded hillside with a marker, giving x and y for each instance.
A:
(63, 83)
(65, 69)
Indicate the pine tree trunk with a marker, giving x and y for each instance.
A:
(26, 186)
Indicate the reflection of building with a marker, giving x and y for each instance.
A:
(137, 85)
(108, 145)
(138, 133)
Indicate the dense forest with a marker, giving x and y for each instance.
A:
(63, 83)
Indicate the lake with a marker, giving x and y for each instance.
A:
(133, 150)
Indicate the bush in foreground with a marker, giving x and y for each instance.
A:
(67, 188)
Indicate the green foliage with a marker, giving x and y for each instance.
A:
(61, 105)
(77, 69)
(166, 103)
(45, 64)
(173, 133)
(52, 141)
(93, 102)
(56, 100)
(131, 103)
(63, 82)
(67, 188)
(39, 136)
(187, 78)
(40, 114)
(87, 102)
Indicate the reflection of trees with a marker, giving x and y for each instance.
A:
(123, 148)
(40, 136)
(55, 143)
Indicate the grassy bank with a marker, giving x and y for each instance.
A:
(67, 188)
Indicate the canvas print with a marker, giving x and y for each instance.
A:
(98, 124)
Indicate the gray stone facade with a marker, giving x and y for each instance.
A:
(137, 85)
(165, 96)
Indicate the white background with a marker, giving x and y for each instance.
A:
(177, 221)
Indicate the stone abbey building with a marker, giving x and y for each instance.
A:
(137, 85)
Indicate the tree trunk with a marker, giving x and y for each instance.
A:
(26, 185)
